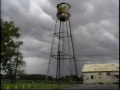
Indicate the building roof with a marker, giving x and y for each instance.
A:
(100, 67)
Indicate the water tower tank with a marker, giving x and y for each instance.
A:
(63, 11)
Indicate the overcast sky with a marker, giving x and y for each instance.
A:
(94, 25)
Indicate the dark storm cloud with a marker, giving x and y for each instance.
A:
(94, 27)
(95, 23)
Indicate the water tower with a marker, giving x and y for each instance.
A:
(62, 50)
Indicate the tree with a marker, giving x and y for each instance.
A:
(11, 58)
(21, 72)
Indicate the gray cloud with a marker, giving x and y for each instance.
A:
(94, 26)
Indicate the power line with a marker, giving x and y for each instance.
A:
(100, 59)
(98, 54)
(40, 52)
(78, 60)
(85, 54)
(39, 64)
(44, 52)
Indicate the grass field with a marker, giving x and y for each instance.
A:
(27, 84)
(30, 86)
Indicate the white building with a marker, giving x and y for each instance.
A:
(100, 73)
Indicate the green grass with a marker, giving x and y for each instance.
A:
(38, 84)
(30, 85)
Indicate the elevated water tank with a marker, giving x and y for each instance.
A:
(63, 11)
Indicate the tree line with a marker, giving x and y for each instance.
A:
(43, 77)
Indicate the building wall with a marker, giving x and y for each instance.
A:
(97, 79)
